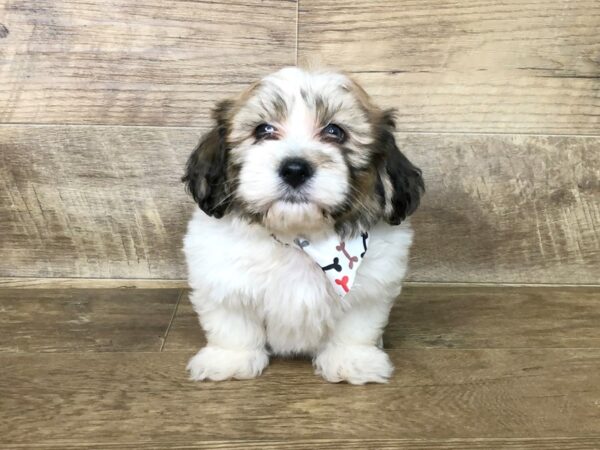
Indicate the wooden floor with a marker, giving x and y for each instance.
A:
(476, 367)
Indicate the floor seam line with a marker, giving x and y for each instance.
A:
(164, 340)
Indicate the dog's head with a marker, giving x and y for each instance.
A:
(301, 152)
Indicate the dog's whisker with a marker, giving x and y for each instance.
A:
(224, 199)
(356, 199)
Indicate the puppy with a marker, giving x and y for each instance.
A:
(300, 243)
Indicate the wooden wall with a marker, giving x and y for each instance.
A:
(101, 102)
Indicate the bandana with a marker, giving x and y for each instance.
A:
(338, 259)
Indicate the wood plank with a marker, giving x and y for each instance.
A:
(512, 66)
(80, 61)
(495, 317)
(436, 393)
(361, 444)
(516, 209)
(91, 283)
(464, 317)
(158, 283)
(93, 202)
(106, 202)
(87, 320)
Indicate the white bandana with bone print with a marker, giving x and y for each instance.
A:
(338, 259)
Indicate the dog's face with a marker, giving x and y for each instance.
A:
(301, 152)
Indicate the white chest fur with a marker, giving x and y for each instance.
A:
(235, 265)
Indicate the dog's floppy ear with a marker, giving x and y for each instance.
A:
(405, 185)
(206, 169)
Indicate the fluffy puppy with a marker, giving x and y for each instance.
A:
(298, 158)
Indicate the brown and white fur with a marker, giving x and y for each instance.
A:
(299, 153)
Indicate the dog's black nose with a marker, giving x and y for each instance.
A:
(295, 171)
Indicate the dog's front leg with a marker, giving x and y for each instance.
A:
(235, 345)
(353, 352)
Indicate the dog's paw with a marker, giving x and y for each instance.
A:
(356, 364)
(217, 364)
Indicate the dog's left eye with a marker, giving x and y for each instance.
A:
(333, 132)
(265, 131)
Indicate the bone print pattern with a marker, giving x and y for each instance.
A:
(330, 254)
(364, 236)
(343, 283)
(351, 259)
(335, 265)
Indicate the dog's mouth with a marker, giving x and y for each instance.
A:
(294, 197)
(295, 214)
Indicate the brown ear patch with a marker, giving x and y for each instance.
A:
(405, 180)
(206, 168)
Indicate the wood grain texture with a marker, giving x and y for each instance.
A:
(464, 317)
(93, 202)
(436, 393)
(335, 444)
(86, 320)
(128, 62)
(495, 317)
(91, 283)
(107, 395)
(513, 66)
(516, 209)
(106, 202)
(161, 283)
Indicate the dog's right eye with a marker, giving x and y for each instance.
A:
(265, 131)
